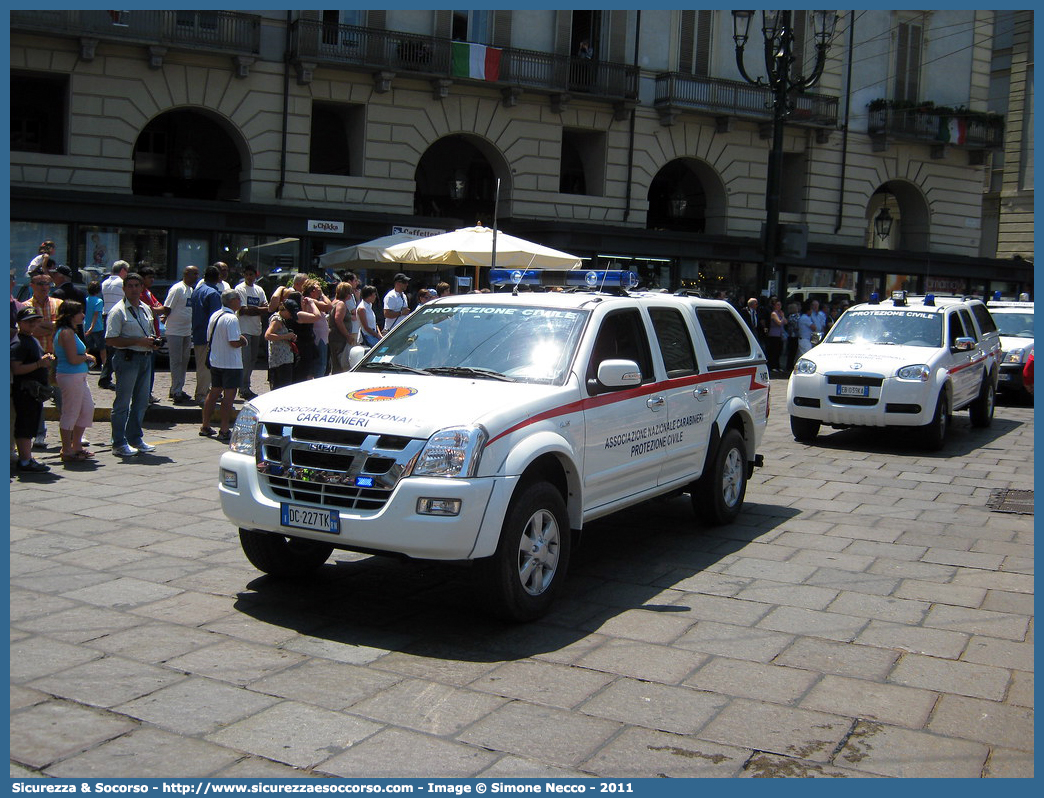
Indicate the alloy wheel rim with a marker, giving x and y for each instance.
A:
(732, 478)
(538, 552)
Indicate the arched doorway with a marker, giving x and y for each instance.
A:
(187, 153)
(687, 195)
(457, 179)
(898, 217)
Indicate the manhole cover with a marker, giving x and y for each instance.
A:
(1011, 501)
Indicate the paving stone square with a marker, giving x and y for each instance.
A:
(866, 617)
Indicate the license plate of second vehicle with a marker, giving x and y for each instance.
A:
(853, 390)
(309, 518)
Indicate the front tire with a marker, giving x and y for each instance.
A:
(718, 495)
(934, 432)
(279, 555)
(981, 410)
(804, 430)
(521, 580)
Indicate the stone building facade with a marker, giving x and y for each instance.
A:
(172, 137)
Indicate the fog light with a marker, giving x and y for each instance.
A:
(229, 479)
(438, 506)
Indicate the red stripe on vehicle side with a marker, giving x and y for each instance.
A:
(632, 393)
(955, 369)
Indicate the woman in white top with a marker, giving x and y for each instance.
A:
(369, 332)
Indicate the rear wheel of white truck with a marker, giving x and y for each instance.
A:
(717, 496)
(279, 555)
(523, 577)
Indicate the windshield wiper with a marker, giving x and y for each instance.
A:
(394, 367)
(470, 371)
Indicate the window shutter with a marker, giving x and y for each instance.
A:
(704, 27)
(377, 19)
(563, 30)
(617, 35)
(908, 62)
(502, 28)
(686, 42)
(444, 24)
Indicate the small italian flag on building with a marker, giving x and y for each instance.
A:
(952, 130)
(475, 61)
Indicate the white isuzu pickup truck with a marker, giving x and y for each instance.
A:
(492, 427)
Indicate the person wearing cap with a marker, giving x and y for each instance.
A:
(64, 287)
(29, 363)
(112, 295)
(396, 306)
(132, 338)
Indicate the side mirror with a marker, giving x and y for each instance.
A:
(964, 344)
(356, 354)
(614, 374)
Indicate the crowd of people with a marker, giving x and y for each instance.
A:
(307, 329)
(787, 333)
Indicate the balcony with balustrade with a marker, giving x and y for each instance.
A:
(678, 93)
(224, 32)
(443, 62)
(935, 126)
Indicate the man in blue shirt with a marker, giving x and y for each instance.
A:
(205, 302)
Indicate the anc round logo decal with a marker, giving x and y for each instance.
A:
(383, 394)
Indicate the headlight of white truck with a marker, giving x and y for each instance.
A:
(1014, 356)
(920, 372)
(244, 431)
(805, 366)
(451, 452)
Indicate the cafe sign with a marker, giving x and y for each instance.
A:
(320, 226)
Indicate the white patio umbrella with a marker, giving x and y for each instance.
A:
(364, 255)
(473, 246)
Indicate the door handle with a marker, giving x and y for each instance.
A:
(701, 393)
(655, 403)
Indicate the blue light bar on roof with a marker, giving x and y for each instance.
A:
(579, 278)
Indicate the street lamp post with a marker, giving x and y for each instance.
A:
(778, 33)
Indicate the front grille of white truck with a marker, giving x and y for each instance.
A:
(340, 468)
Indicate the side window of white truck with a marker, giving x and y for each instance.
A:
(621, 337)
(672, 334)
(724, 333)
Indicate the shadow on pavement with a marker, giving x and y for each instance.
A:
(628, 561)
(961, 438)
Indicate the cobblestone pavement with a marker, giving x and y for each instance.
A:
(869, 615)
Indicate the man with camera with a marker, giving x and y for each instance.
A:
(130, 332)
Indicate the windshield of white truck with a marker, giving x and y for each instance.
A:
(888, 326)
(520, 344)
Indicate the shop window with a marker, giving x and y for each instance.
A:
(335, 144)
(276, 259)
(26, 238)
(582, 165)
(143, 246)
(38, 112)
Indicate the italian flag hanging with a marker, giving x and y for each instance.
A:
(953, 130)
(475, 61)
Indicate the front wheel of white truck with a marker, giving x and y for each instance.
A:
(279, 555)
(520, 581)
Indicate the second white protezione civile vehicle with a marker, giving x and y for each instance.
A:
(492, 427)
(906, 362)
